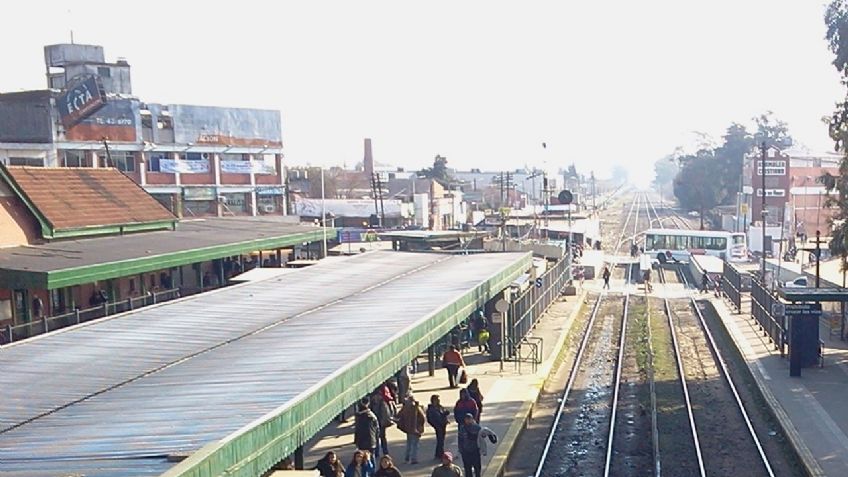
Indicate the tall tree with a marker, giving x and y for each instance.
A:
(665, 170)
(772, 131)
(836, 19)
(619, 174)
(729, 160)
(692, 187)
(439, 171)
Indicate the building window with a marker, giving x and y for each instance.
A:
(26, 161)
(164, 122)
(121, 160)
(74, 159)
(194, 156)
(153, 164)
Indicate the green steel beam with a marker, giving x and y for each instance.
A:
(255, 448)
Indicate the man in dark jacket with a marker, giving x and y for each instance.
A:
(437, 416)
(384, 417)
(469, 446)
(366, 428)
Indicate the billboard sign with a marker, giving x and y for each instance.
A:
(115, 121)
(80, 101)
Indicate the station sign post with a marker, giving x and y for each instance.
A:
(803, 335)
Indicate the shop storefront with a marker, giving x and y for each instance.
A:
(200, 202)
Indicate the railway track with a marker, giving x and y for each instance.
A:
(723, 439)
(649, 392)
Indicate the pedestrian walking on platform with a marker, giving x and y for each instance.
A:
(330, 466)
(465, 405)
(472, 445)
(483, 340)
(366, 429)
(387, 468)
(452, 361)
(404, 381)
(447, 469)
(477, 395)
(411, 422)
(384, 418)
(705, 283)
(606, 276)
(360, 465)
(437, 417)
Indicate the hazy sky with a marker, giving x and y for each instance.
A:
(483, 83)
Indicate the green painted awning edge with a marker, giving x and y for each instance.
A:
(254, 449)
(50, 280)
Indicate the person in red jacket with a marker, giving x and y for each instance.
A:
(452, 361)
(465, 405)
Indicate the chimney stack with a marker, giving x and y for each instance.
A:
(368, 160)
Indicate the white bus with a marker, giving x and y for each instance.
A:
(675, 244)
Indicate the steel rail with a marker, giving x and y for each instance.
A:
(681, 372)
(616, 386)
(578, 359)
(729, 380)
(572, 376)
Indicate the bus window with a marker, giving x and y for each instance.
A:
(721, 243)
(738, 239)
(649, 242)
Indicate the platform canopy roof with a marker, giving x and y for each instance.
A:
(238, 377)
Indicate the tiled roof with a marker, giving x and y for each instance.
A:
(73, 198)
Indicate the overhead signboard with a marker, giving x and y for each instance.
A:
(80, 101)
(803, 310)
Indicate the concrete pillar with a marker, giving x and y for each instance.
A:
(142, 168)
(254, 205)
(176, 156)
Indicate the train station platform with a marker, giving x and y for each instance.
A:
(811, 408)
(509, 396)
(235, 379)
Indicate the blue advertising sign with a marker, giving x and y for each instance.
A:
(80, 101)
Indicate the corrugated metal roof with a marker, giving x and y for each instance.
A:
(54, 370)
(356, 305)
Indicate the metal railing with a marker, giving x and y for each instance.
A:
(731, 285)
(526, 309)
(762, 301)
(12, 333)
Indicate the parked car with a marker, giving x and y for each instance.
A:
(799, 282)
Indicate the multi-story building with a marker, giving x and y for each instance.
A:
(196, 160)
(795, 194)
(777, 186)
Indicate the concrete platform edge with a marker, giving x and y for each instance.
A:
(500, 458)
(810, 463)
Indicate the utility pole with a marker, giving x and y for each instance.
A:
(502, 190)
(818, 257)
(380, 194)
(763, 213)
(546, 197)
(374, 194)
(594, 209)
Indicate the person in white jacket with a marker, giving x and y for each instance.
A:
(473, 443)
